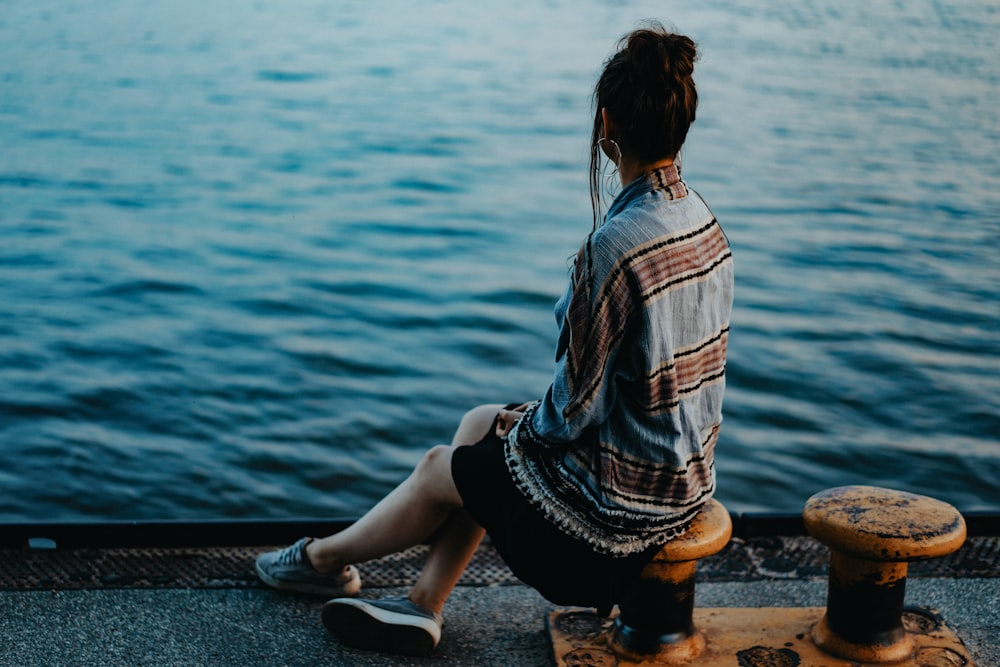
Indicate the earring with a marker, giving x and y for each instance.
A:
(618, 150)
(611, 182)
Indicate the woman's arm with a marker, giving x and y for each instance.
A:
(506, 419)
(595, 315)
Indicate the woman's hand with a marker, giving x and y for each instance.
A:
(507, 418)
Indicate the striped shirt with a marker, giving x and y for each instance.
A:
(619, 452)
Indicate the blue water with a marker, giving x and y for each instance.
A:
(256, 257)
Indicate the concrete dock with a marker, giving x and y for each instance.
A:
(204, 606)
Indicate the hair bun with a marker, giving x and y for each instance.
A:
(660, 58)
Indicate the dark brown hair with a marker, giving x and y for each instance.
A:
(648, 89)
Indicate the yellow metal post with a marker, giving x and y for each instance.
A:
(872, 534)
(656, 616)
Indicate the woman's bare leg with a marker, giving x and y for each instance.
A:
(455, 543)
(451, 550)
(426, 504)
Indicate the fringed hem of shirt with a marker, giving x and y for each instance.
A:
(642, 531)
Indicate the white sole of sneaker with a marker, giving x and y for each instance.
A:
(349, 589)
(361, 625)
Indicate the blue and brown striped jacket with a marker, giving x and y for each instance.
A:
(619, 452)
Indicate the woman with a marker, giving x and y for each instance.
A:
(580, 489)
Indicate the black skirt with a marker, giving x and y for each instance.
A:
(564, 569)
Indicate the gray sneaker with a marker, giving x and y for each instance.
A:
(392, 625)
(289, 569)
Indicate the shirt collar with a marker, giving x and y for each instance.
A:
(666, 179)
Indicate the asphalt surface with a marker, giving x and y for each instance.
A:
(493, 625)
(501, 625)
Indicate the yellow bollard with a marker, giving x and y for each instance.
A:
(872, 534)
(655, 622)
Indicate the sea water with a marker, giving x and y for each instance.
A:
(257, 257)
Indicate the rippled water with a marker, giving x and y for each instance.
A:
(256, 258)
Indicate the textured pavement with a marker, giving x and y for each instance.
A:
(68, 619)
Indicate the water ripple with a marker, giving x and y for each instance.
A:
(287, 76)
(132, 288)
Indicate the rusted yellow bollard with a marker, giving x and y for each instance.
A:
(872, 534)
(655, 621)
